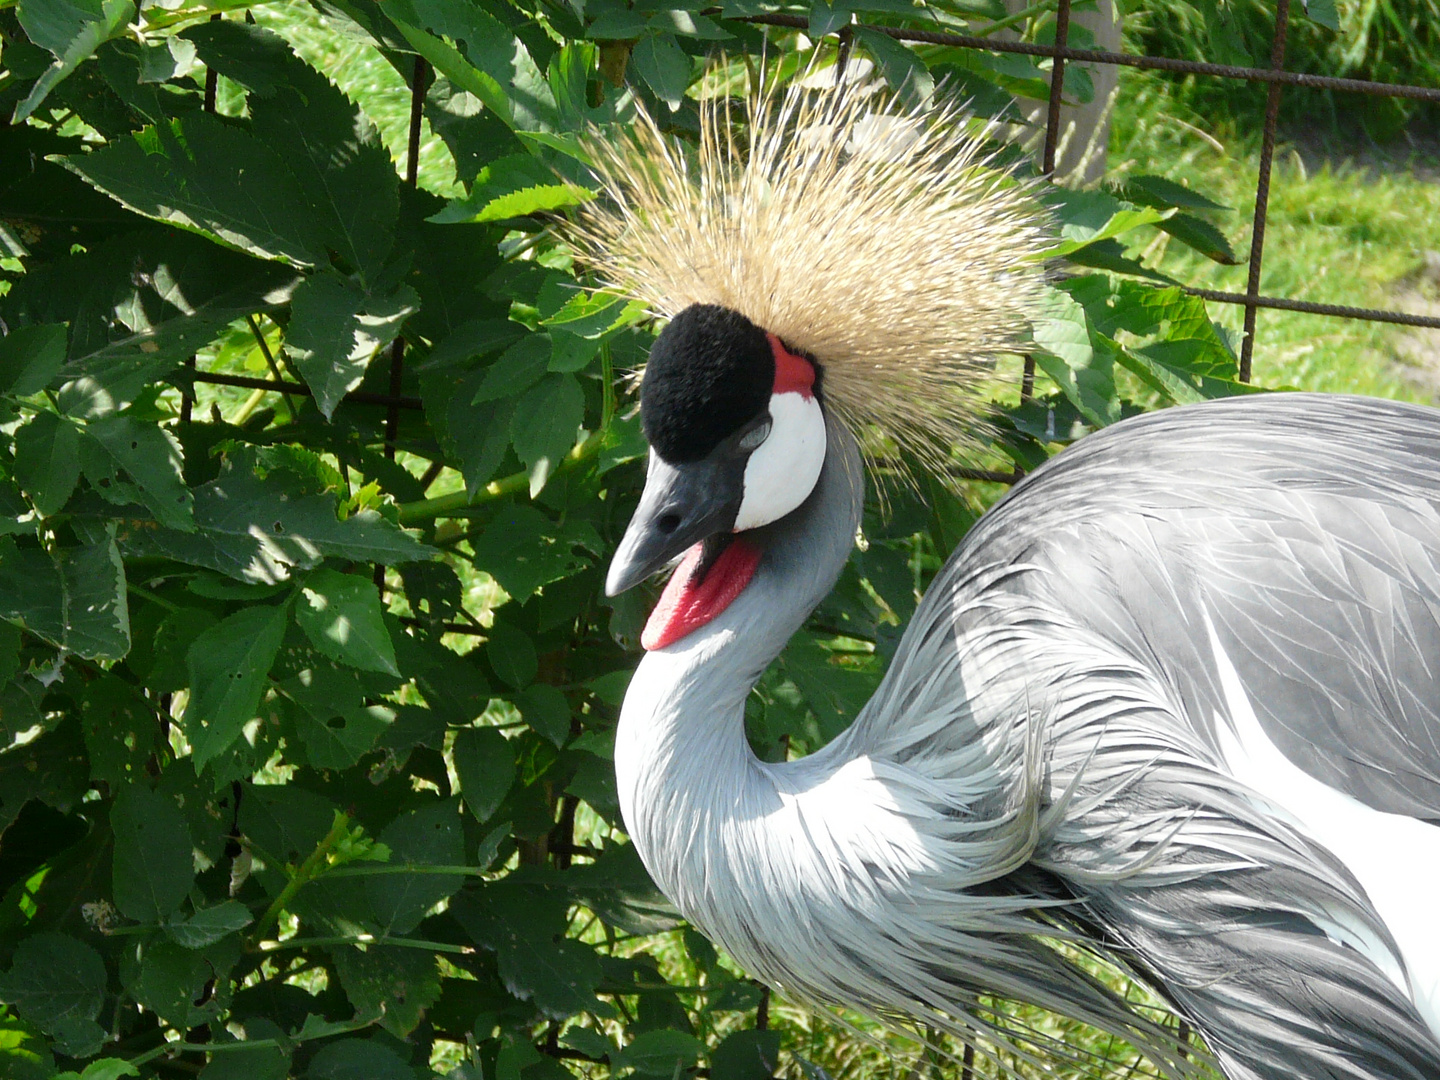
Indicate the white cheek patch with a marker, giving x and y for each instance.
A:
(782, 471)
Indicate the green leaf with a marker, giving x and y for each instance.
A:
(522, 549)
(905, 72)
(72, 30)
(350, 186)
(433, 835)
(495, 65)
(229, 665)
(1324, 13)
(153, 871)
(396, 984)
(544, 426)
(520, 921)
(209, 925)
(513, 186)
(170, 981)
(515, 370)
(485, 765)
(511, 654)
(1068, 356)
(827, 18)
(201, 174)
(618, 24)
(664, 66)
(336, 329)
(1203, 237)
(30, 357)
(341, 615)
(58, 984)
(660, 1053)
(240, 1062)
(47, 460)
(74, 599)
(355, 1059)
(24, 1051)
(260, 530)
(1090, 216)
(545, 709)
(151, 459)
(1162, 194)
(593, 315)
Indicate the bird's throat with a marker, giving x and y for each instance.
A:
(702, 586)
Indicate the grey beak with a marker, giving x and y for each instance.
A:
(681, 505)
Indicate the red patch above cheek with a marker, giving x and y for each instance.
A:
(686, 604)
(793, 374)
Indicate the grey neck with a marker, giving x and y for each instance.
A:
(682, 762)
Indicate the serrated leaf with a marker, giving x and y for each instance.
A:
(617, 24)
(398, 983)
(1161, 193)
(237, 1061)
(1068, 356)
(153, 870)
(341, 615)
(170, 981)
(520, 921)
(663, 1052)
(200, 174)
(351, 188)
(47, 460)
(72, 30)
(260, 530)
(905, 72)
(1201, 236)
(492, 63)
(523, 549)
(229, 666)
(544, 426)
(593, 315)
(513, 186)
(336, 329)
(30, 357)
(515, 370)
(74, 599)
(433, 835)
(485, 765)
(356, 1059)
(209, 925)
(827, 18)
(1090, 216)
(151, 460)
(664, 66)
(57, 983)
(545, 709)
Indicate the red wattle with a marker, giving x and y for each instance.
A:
(793, 374)
(687, 604)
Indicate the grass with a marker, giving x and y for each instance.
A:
(1339, 231)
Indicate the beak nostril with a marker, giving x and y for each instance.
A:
(667, 523)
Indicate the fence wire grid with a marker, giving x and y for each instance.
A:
(1252, 300)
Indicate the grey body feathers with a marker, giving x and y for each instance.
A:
(1048, 755)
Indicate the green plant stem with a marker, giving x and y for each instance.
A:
(453, 504)
(146, 594)
(380, 869)
(306, 872)
(1018, 17)
(366, 939)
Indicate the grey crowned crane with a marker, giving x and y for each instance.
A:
(1174, 701)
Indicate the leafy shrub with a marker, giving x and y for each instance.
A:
(307, 479)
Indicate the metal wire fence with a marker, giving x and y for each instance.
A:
(1060, 53)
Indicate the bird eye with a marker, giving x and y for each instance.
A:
(755, 436)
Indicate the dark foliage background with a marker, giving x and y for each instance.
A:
(308, 698)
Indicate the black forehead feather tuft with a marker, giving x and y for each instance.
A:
(709, 372)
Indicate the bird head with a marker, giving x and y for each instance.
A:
(831, 256)
(737, 440)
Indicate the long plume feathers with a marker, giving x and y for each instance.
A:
(878, 238)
